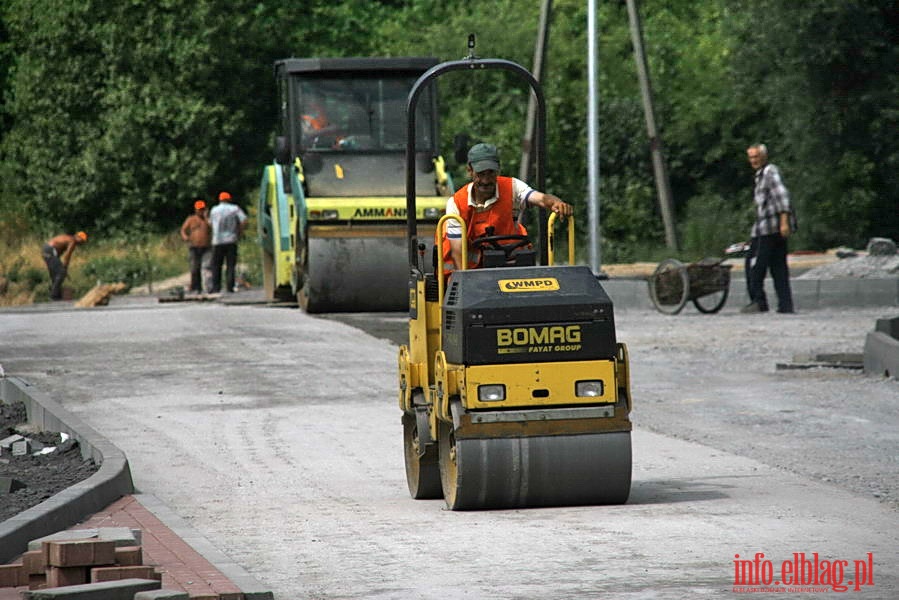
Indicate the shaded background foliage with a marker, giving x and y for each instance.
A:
(116, 114)
(830, 77)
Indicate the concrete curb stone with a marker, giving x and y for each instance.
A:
(110, 482)
(808, 294)
(123, 589)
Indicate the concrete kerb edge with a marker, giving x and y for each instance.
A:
(68, 507)
(881, 355)
(808, 294)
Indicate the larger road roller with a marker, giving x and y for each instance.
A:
(331, 210)
(513, 388)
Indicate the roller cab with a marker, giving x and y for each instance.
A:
(331, 209)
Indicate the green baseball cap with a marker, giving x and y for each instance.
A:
(483, 157)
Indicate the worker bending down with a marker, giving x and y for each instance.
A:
(57, 253)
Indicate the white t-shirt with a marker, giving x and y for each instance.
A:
(226, 219)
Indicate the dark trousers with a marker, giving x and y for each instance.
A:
(227, 254)
(770, 252)
(199, 260)
(56, 269)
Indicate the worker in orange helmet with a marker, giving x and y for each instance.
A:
(228, 221)
(57, 252)
(197, 232)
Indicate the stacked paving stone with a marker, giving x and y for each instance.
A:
(87, 564)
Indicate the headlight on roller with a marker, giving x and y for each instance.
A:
(493, 392)
(591, 388)
(433, 213)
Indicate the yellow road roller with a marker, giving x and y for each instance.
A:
(331, 212)
(513, 388)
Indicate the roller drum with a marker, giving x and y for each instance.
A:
(365, 274)
(422, 470)
(552, 470)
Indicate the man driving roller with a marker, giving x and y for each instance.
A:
(487, 202)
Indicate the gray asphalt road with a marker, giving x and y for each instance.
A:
(277, 436)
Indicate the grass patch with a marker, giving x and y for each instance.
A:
(135, 261)
(711, 224)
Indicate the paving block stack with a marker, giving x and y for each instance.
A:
(12, 576)
(101, 564)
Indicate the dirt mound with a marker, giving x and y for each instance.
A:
(43, 475)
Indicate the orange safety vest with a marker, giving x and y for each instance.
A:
(498, 216)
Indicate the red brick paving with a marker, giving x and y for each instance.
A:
(181, 566)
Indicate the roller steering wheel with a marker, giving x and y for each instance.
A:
(495, 242)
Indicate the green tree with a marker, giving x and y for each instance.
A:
(111, 125)
(123, 111)
(822, 78)
(689, 62)
(117, 113)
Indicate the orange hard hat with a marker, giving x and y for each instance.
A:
(199, 204)
(81, 236)
(224, 196)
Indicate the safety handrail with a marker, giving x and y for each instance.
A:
(438, 243)
(551, 239)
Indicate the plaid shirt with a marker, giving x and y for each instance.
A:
(771, 198)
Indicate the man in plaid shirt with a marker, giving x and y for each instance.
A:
(769, 235)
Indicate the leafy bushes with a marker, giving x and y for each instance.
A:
(713, 223)
(149, 108)
(21, 272)
(130, 270)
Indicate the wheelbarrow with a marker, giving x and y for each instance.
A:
(705, 283)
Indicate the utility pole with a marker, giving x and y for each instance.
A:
(663, 185)
(593, 237)
(527, 144)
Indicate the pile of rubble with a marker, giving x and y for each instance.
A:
(19, 445)
(35, 465)
(879, 261)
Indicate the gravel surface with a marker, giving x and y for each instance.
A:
(276, 435)
(714, 379)
(732, 455)
(43, 475)
(857, 267)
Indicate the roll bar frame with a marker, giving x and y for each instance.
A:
(472, 64)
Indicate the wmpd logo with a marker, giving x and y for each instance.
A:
(541, 284)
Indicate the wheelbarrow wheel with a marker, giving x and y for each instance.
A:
(669, 286)
(711, 303)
